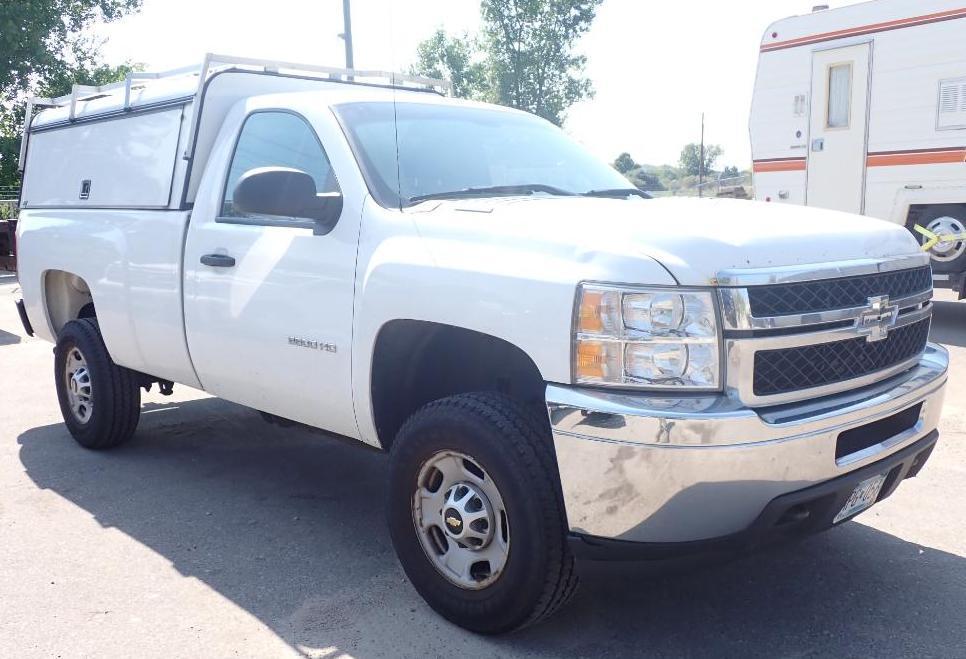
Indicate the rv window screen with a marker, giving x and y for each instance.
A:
(839, 95)
(277, 139)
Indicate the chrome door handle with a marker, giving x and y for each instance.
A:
(218, 260)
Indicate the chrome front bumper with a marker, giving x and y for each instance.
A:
(687, 469)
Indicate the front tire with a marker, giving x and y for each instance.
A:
(476, 516)
(99, 400)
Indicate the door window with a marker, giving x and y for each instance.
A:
(277, 139)
(839, 95)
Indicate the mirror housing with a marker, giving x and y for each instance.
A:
(288, 193)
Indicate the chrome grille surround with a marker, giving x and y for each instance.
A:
(745, 334)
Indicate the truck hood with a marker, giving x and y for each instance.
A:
(694, 239)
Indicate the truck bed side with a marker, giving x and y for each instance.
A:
(131, 262)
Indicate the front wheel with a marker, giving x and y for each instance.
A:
(475, 513)
(99, 400)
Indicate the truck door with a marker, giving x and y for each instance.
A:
(839, 128)
(268, 305)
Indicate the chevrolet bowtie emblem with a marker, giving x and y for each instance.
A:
(452, 521)
(876, 321)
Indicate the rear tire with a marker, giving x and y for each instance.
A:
(509, 458)
(99, 400)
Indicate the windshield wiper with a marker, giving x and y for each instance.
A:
(492, 191)
(617, 193)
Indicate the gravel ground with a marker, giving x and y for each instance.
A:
(215, 534)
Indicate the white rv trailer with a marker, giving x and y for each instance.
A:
(863, 109)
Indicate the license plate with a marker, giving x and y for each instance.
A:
(862, 497)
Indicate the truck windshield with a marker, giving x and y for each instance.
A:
(458, 152)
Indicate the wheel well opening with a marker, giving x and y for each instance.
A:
(416, 362)
(67, 297)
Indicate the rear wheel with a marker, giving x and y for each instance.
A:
(99, 400)
(476, 515)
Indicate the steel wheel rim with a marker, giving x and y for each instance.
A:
(461, 520)
(953, 249)
(80, 393)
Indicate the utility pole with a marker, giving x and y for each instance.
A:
(347, 33)
(700, 162)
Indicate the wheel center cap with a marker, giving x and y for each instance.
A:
(453, 521)
(466, 516)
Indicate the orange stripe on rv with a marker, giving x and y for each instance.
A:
(912, 158)
(779, 166)
(868, 29)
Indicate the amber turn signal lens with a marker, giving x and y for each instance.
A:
(589, 314)
(598, 360)
(599, 312)
(590, 359)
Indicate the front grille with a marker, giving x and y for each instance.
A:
(827, 294)
(794, 369)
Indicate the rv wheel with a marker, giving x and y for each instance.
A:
(948, 256)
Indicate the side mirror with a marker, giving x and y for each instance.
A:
(289, 193)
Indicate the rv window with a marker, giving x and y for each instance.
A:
(839, 95)
(277, 139)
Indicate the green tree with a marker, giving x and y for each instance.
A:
(530, 44)
(46, 48)
(730, 172)
(524, 59)
(624, 163)
(644, 180)
(691, 158)
(455, 58)
(44, 38)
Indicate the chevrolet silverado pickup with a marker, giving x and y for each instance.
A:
(556, 365)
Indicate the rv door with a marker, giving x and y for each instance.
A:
(839, 128)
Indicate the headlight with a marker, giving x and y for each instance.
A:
(646, 337)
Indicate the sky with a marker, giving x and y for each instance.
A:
(655, 66)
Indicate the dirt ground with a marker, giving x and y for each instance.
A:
(214, 534)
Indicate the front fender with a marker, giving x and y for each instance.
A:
(522, 295)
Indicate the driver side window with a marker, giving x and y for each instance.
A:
(277, 139)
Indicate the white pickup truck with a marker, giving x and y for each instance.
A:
(556, 365)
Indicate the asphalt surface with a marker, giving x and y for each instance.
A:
(214, 534)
